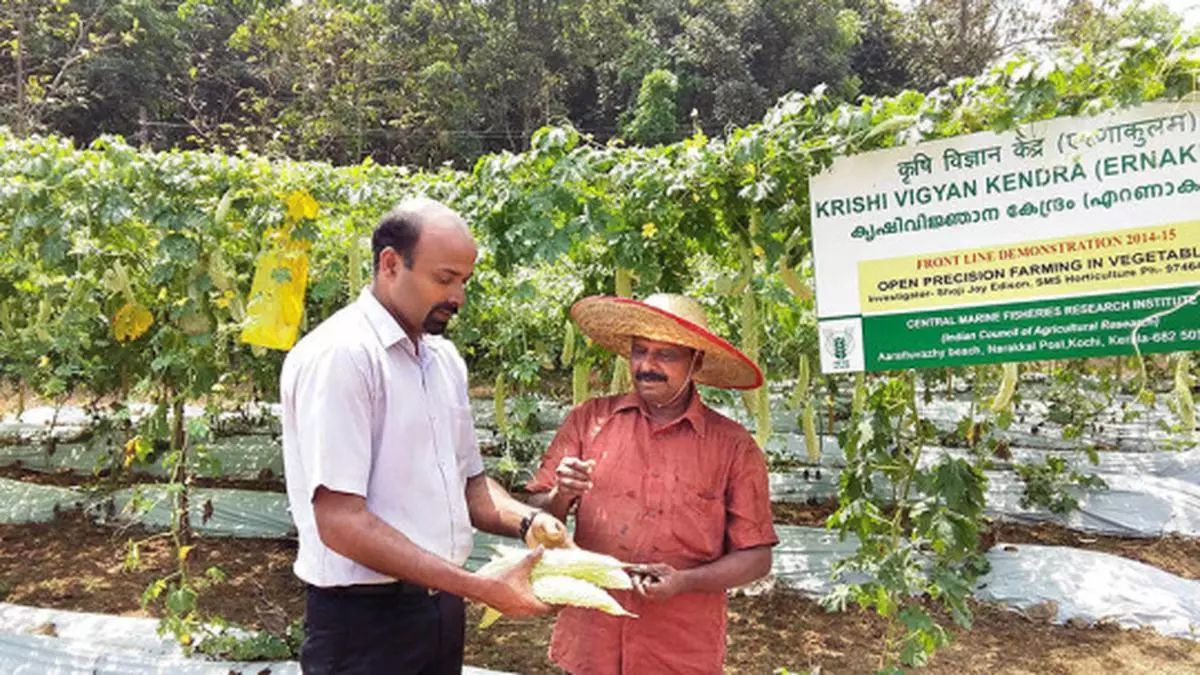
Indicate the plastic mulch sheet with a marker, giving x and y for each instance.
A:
(246, 456)
(1082, 585)
(1092, 586)
(1148, 495)
(38, 641)
(235, 513)
(29, 503)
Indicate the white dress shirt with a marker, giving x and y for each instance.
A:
(365, 413)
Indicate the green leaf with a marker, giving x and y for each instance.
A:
(179, 248)
(133, 557)
(153, 592)
(916, 619)
(181, 601)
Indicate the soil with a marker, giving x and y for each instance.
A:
(79, 566)
(267, 482)
(809, 515)
(1175, 554)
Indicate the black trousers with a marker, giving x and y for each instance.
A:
(397, 628)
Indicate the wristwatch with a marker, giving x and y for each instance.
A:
(526, 522)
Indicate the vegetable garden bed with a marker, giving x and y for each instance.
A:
(74, 564)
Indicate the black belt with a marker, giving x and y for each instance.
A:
(393, 588)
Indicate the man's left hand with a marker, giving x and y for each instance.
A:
(658, 581)
(548, 531)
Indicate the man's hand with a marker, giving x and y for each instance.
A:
(573, 477)
(548, 531)
(513, 595)
(658, 581)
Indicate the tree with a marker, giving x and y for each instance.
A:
(654, 119)
(802, 44)
(733, 59)
(880, 57)
(331, 76)
(210, 83)
(425, 82)
(960, 38)
(49, 43)
(540, 61)
(1102, 24)
(127, 89)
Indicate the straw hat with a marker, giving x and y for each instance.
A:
(612, 322)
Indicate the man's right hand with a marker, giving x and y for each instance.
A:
(573, 478)
(512, 595)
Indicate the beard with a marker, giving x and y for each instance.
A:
(435, 325)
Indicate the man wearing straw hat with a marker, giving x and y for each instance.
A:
(659, 479)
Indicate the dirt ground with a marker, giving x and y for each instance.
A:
(1178, 555)
(73, 564)
(66, 478)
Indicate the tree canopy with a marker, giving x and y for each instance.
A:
(419, 82)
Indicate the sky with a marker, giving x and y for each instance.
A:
(1189, 9)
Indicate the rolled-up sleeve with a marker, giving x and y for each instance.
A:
(568, 442)
(748, 500)
(333, 420)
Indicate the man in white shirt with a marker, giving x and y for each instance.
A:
(383, 470)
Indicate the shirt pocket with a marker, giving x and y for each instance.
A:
(463, 450)
(697, 522)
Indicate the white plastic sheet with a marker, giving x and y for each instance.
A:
(100, 644)
(805, 557)
(30, 503)
(1083, 585)
(41, 655)
(1092, 586)
(1135, 506)
(1148, 495)
(246, 456)
(235, 513)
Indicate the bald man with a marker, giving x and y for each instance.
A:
(383, 471)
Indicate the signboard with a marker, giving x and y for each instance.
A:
(1054, 241)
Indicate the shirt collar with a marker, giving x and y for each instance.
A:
(693, 414)
(386, 328)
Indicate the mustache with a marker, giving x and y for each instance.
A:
(448, 307)
(648, 376)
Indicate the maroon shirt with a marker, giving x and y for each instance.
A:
(685, 493)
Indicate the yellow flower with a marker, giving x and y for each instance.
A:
(44, 362)
(224, 299)
(649, 230)
(131, 321)
(301, 206)
(131, 448)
